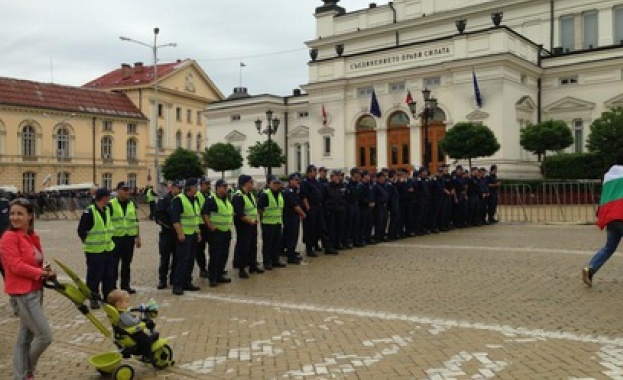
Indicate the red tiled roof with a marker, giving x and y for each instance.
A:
(24, 93)
(131, 76)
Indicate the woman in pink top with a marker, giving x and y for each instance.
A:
(22, 258)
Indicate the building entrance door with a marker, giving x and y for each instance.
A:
(436, 133)
(398, 147)
(366, 151)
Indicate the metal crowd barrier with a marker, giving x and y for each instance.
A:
(550, 202)
(63, 207)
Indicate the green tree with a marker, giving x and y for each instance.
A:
(220, 157)
(467, 140)
(263, 155)
(550, 135)
(182, 164)
(606, 136)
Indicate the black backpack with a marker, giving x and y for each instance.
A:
(161, 212)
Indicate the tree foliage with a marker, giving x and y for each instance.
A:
(467, 140)
(606, 136)
(182, 164)
(220, 157)
(265, 154)
(550, 135)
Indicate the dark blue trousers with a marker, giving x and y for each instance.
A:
(291, 231)
(100, 271)
(354, 224)
(219, 253)
(185, 252)
(271, 238)
(168, 259)
(123, 254)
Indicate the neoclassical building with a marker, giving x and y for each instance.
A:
(52, 134)
(532, 60)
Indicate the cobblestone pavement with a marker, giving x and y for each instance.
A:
(503, 301)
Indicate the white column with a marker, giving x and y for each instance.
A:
(381, 148)
(415, 150)
(606, 26)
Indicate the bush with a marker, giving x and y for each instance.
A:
(574, 166)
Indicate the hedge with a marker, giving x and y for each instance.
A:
(574, 166)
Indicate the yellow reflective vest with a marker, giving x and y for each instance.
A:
(190, 214)
(99, 238)
(124, 224)
(273, 212)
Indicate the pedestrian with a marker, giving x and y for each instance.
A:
(218, 215)
(245, 220)
(4, 224)
(292, 215)
(205, 191)
(95, 230)
(609, 216)
(126, 235)
(185, 214)
(151, 200)
(270, 206)
(167, 239)
(23, 259)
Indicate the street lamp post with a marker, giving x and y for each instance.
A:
(272, 124)
(427, 114)
(154, 121)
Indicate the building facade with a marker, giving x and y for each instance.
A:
(531, 60)
(182, 90)
(52, 135)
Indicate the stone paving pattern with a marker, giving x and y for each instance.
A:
(503, 301)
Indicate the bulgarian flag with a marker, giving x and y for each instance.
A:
(611, 201)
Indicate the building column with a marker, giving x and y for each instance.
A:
(415, 150)
(381, 148)
(606, 27)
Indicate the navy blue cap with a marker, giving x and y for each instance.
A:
(205, 180)
(294, 176)
(101, 193)
(311, 168)
(220, 182)
(178, 183)
(122, 185)
(274, 179)
(244, 179)
(190, 182)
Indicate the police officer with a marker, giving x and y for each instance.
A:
(381, 197)
(245, 220)
(460, 198)
(366, 207)
(200, 256)
(494, 189)
(393, 205)
(167, 237)
(126, 236)
(314, 227)
(292, 215)
(334, 197)
(270, 204)
(474, 195)
(353, 198)
(218, 215)
(445, 223)
(151, 200)
(484, 199)
(95, 229)
(422, 196)
(184, 215)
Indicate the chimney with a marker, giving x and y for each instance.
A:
(126, 71)
(138, 67)
(296, 92)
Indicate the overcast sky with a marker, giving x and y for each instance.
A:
(74, 41)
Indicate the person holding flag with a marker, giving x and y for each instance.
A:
(609, 216)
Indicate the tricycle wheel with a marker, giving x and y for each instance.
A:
(124, 372)
(163, 357)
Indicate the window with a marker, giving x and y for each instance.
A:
(405, 154)
(199, 113)
(178, 139)
(107, 125)
(132, 180)
(28, 182)
(566, 81)
(107, 180)
(160, 138)
(130, 149)
(28, 141)
(178, 113)
(327, 145)
(106, 147)
(303, 114)
(62, 143)
(131, 128)
(160, 110)
(235, 117)
(364, 91)
(578, 135)
(362, 156)
(398, 119)
(394, 155)
(431, 82)
(366, 123)
(397, 87)
(189, 141)
(590, 25)
(299, 157)
(618, 25)
(189, 116)
(567, 33)
(373, 156)
(199, 142)
(62, 178)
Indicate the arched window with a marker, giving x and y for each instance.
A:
(29, 141)
(160, 138)
(398, 119)
(366, 123)
(199, 140)
(62, 142)
(130, 149)
(178, 139)
(28, 182)
(189, 141)
(106, 147)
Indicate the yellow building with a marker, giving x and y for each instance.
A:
(52, 134)
(183, 92)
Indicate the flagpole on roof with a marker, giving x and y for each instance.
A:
(242, 64)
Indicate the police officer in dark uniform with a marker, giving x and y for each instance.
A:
(460, 198)
(218, 215)
(484, 199)
(314, 227)
(366, 207)
(353, 215)
(200, 256)
(185, 214)
(334, 197)
(393, 206)
(292, 215)
(474, 195)
(270, 204)
(494, 190)
(422, 196)
(167, 237)
(381, 198)
(245, 220)
(406, 198)
(445, 223)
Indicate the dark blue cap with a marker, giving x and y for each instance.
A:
(101, 193)
(205, 180)
(294, 176)
(220, 182)
(190, 182)
(244, 179)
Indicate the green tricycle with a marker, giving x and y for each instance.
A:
(109, 363)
